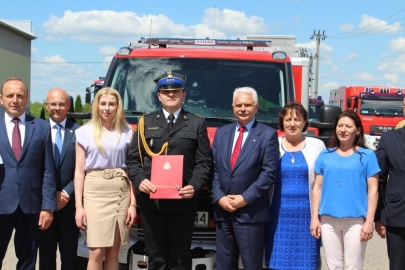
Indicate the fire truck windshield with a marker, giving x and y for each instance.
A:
(382, 107)
(209, 86)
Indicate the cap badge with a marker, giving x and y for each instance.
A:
(169, 74)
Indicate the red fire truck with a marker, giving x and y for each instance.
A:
(214, 68)
(380, 108)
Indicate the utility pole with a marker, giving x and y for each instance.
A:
(318, 37)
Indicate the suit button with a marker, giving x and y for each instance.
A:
(170, 137)
(232, 176)
(170, 149)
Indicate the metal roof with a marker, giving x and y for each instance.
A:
(13, 26)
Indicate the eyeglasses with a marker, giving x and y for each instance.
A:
(54, 104)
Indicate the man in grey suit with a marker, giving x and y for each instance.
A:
(27, 183)
(63, 230)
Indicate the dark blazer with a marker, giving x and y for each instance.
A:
(391, 159)
(188, 137)
(66, 170)
(253, 175)
(30, 181)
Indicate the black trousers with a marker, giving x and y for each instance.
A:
(26, 237)
(63, 231)
(396, 247)
(168, 237)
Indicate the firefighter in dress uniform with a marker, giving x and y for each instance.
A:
(168, 224)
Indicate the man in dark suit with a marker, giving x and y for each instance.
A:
(27, 189)
(168, 224)
(390, 214)
(246, 156)
(63, 230)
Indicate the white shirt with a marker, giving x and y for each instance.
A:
(176, 114)
(10, 126)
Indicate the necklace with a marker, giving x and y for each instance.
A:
(339, 183)
(290, 152)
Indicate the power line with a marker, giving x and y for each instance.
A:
(367, 26)
(370, 33)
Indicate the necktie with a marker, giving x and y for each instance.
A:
(238, 146)
(58, 144)
(16, 139)
(171, 120)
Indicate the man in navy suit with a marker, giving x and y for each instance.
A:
(27, 187)
(63, 229)
(390, 213)
(246, 156)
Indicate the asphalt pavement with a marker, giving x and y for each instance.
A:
(376, 256)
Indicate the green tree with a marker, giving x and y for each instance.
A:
(42, 116)
(37, 109)
(79, 108)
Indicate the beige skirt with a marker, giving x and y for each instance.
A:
(106, 198)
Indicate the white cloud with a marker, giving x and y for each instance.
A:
(107, 25)
(396, 65)
(312, 46)
(348, 27)
(392, 78)
(397, 45)
(365, 76)
(54, 71)
(350, 57)
(233, 22)
(330, 85)
(107, 50)
(107, 62)
(371, 25)
(52, 38)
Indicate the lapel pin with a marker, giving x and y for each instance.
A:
(158, 116)
(254, 140)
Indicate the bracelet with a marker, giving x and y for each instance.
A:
(370, 223)
(133, 205)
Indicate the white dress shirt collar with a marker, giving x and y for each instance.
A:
(53, 123)
(8, 118)
(176, 114)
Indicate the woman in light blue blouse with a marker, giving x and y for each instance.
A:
(344, 198)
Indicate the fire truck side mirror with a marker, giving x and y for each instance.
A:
(72, 105)
(88, 97)
(349, 103)
(327, 119)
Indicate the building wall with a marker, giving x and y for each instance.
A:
(15, 56)
(337, 97)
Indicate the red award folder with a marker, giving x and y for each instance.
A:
(167, 176)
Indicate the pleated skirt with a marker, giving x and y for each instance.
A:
(106, 198)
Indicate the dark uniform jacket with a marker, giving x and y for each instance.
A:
(189, 138)
(391, 159)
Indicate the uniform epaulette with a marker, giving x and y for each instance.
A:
(199, 116)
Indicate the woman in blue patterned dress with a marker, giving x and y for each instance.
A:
(289, 244)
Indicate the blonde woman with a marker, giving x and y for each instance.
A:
(105, 201)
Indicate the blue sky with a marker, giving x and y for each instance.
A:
(365, 42)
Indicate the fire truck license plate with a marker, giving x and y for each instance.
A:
(201, 219)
